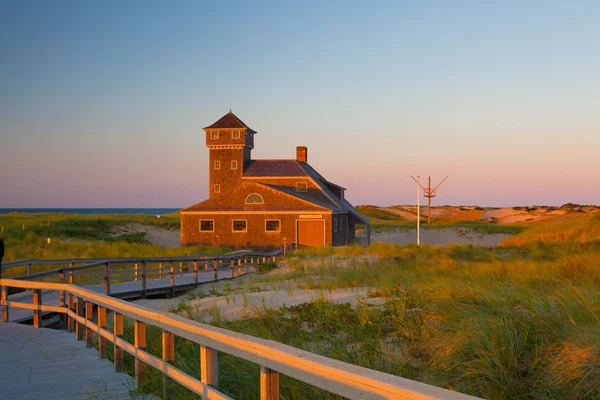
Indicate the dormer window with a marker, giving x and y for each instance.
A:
(254, 199)
(235, 134)
(234, 164)
(214, 135)
(301, 187)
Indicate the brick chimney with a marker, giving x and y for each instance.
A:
(302, 154)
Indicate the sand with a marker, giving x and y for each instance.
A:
(439, 236)
(157, 236)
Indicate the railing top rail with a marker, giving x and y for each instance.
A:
(334, 376)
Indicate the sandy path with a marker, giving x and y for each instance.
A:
(157, 236)
(440, 236)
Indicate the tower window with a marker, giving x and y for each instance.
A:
(217, 188)
(207, 225)
(234, 164)
(301, 187)
(217, 164)
(254, 199)
(235, 134)
(214, 135)
(273, 225)
(239, 225)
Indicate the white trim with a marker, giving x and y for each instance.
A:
(200, 225)
(301, 183)
(279, 226)
(217, 165)
(252, 194)
(237, 220)
(236, 164)
(215, 187)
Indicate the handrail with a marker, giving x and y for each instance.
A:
(337, 377)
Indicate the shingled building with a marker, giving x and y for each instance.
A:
(262, 203)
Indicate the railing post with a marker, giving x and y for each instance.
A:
(172, 278)
(118, 332)
(209, 371)
(62, 298)
(160, 271)
(245, 264)
(107, 278)
(89, 315)
(195, 273)
(135, 267)
(269, 384)
(232, 264)
(4, 304)
(168, 356)
(102, 348)
(252, 269)
(144, 278)
(180, 268)
(239, 266)
(139, 329)
(29, 269)
(79, 326)
(70, 320)
(206, 266)
(215, 268)
(37, 313)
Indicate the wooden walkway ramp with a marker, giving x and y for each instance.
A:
(50, 364)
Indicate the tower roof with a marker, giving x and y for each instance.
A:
(230, 121)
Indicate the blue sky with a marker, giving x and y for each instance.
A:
(102, 103)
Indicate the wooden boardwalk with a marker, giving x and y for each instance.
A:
(50, 364)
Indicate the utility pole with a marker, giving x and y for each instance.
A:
(418, 210)
(429, 193)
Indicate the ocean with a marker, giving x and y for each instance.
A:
(151, 211)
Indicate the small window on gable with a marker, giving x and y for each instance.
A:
(217, 164)
(207, 225)
(254, 199)
(217, 188)
(214, 135)
(234, 164)
(273, 225)
(235, 134)
(239, 225)
(301, 186)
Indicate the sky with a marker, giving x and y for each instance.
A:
(102, 104)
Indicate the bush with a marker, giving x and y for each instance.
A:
(266, 267)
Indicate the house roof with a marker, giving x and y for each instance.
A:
(230, 120)
(260, 168)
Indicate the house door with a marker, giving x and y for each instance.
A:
(311, 232)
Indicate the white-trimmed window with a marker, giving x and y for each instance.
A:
(239, 225)
(207, 225)
(235, 134)
(217, 188)
(254, 198)
(273, 225)
(214, 135)
(217, 165)
(234, 164)
(335, 224)
(301, 186)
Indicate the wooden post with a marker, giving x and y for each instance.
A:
(89, 315)
(29, 269)
(206, 266)
(245, 264)
(107, 278)
(160, 270)
(144, 278)
(216, 270)
(269, 384)
(264, 259)
(102, 342)
(4, 304)
(71, 306)
(79, 326)
(118, 332)
(62, 299)
(209, 371)
(274, 258)
(135, 267)
(232, 264)
(37, 313)
(195, 273)
(239, 266)
(139, 329)
(180, 268)
(172, 278)
(168, 355)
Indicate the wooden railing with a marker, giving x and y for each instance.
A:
(337, 377)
